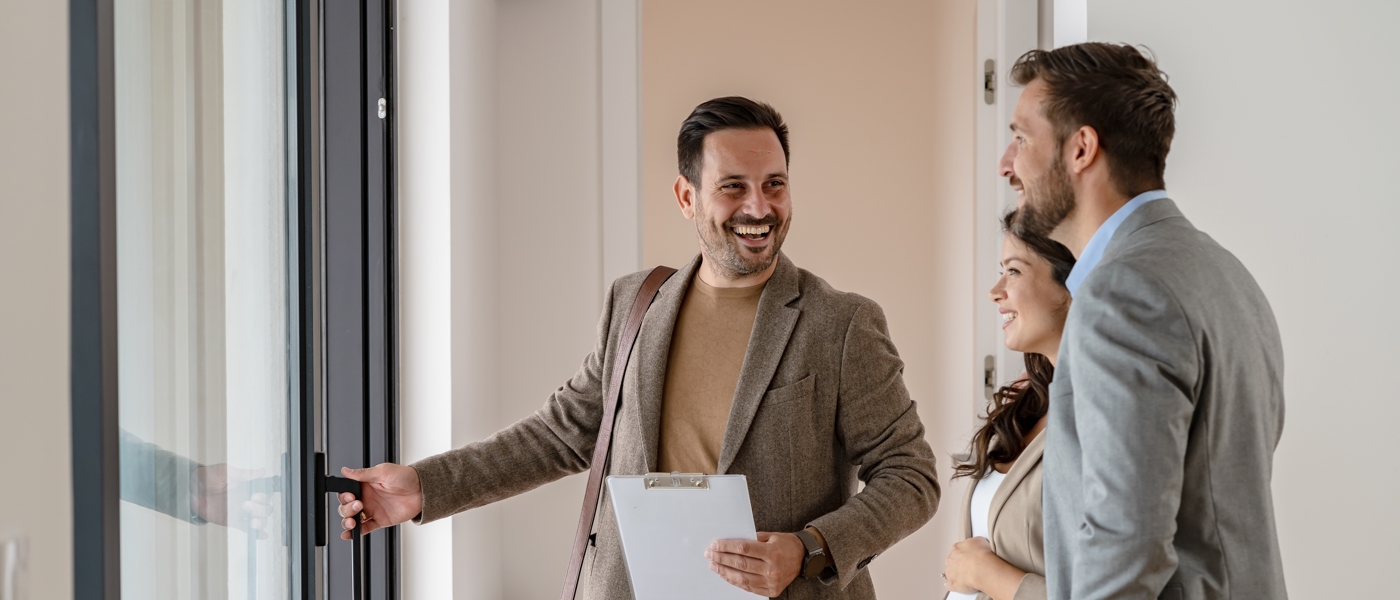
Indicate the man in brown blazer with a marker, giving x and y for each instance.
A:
(744, 364)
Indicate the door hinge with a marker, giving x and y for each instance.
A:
(383, 108)
(989, 376)
(989, 81)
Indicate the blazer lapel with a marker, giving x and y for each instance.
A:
(1024, 464)
(772, 326)
(645, 381)
(966, 513)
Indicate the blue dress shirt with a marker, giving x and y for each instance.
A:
(1093, 251)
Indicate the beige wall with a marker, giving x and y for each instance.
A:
(879, 97)
(1285, 152)
(34, 402)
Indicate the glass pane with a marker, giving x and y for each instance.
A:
(203, 318)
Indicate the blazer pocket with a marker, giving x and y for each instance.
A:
(793, 391)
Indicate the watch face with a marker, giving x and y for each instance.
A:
(813, 564)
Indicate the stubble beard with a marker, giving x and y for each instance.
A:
(1049, 201)
(726, 255)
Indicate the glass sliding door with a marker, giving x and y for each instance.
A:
(232, 297)
(209, 401)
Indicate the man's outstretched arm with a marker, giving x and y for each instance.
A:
(554, 442)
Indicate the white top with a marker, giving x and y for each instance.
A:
(980, 510)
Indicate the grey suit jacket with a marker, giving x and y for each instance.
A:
(1165, 411)
(820, 405)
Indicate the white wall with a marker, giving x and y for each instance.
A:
(551, 252)
(504, 162)
(1286, 153)
(472, 39)
(34, 200)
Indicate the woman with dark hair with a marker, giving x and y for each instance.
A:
(1003, 557)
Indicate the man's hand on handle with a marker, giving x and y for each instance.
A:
(765, 567)
(392, 495)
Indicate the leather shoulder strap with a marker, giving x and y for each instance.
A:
(611, 402)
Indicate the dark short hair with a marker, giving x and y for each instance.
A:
(1117, 90)
(731, 112)
(1059, 257)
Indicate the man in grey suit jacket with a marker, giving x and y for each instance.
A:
(1167, 403)
(746, 364)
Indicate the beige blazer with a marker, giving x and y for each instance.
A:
(1014, 522)
(820, 406)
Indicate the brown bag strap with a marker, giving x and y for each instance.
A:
(611, 402)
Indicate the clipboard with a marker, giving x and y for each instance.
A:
(668, 520)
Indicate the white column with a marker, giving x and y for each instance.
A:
(423, 113)
(1063, 22)
(1071, 18)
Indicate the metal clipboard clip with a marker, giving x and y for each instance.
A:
(676, 481)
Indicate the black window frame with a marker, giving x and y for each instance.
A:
(93, 301)
(358, 246)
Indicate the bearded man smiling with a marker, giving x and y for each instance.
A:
(744, 364)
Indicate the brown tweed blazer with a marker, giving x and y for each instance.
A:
(820, 405)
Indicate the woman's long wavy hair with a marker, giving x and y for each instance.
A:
(1016, 408)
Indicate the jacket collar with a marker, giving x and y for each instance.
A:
(1147, 214)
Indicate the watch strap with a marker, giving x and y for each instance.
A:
(815, 561)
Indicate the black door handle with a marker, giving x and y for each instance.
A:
(327, 484)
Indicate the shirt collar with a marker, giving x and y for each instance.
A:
(1093, 251)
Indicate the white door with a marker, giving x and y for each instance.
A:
(1006, 29)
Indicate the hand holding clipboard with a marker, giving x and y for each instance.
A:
(667, 521)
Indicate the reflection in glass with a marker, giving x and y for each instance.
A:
(203, 317)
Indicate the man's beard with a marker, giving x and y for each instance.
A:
(726, 255)
(1049, 201)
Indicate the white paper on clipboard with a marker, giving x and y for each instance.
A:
(668, 520)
